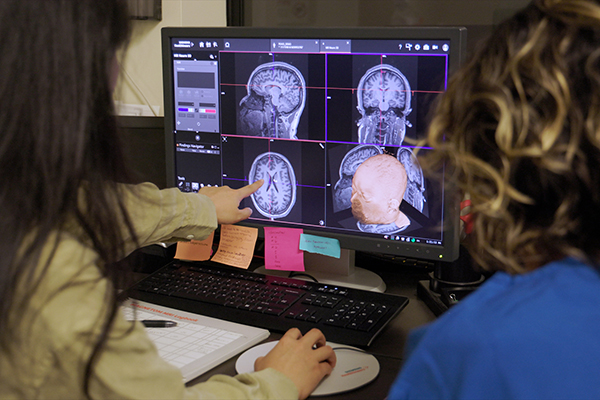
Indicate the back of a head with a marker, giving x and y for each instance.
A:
(519, 130)
(55, 102)
(55, 60)
(57, 126)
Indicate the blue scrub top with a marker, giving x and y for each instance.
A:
(530, 336)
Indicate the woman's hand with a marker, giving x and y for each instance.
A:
(227, 201)
(306, 360)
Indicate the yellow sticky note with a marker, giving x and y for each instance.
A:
(195, 250)
(236, 247)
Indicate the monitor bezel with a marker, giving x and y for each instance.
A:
(449, 251)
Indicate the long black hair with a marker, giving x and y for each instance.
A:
(59, 146)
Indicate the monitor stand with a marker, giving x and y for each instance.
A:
(334, 271)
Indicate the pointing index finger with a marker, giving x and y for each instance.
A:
(249, 189)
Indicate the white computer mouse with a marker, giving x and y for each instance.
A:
(354, 367)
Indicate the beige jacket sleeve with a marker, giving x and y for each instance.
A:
(62, 323)
(167, 214)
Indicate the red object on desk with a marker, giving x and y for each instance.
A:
(467, 217)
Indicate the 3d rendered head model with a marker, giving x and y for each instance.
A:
(277, 196)
(383, 96)
(343, 188)
(274, 103)
(378, 187)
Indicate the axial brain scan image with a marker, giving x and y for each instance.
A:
(276, 94)
(277, 196)
(383, 96)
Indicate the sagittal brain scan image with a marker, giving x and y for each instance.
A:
(342, 190)
(378, 187)
(415, 186)
(274, 103)
(277, 196)
(384, 103)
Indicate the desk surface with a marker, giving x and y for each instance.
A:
(387, 347)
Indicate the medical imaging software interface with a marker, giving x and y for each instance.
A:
(330, 125)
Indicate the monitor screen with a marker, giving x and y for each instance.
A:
(328, 117)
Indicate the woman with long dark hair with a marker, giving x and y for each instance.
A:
(68, 213)
(518, 131)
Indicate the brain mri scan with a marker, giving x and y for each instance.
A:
(276, 94)
(415, 186)
(384, 103)
(277, 196)
(342, 190)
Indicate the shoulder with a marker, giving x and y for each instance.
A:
(515, 304)
(510, 329)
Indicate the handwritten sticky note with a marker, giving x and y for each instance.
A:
(195, 250)
(320, 245)
(281, 249)
(236, 247)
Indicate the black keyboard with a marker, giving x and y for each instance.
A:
(345, 315)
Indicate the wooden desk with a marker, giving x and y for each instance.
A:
(387, 347)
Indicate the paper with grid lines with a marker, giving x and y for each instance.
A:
(197, 343)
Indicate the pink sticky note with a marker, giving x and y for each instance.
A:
(282, 250)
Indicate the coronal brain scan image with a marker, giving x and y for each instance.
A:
(415, 186)
(378, 187)
(342, 190)
(277, 196)
(276, 95)
(383, 96)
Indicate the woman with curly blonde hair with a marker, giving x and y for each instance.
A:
(518, 131)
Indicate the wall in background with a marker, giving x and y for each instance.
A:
(378, 12)
(479, 16)
(141, 78)
(140, 90)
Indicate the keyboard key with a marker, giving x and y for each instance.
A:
(273, 311)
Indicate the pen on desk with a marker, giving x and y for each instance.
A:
(153, 323)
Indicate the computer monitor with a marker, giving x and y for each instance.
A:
(329, 118)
